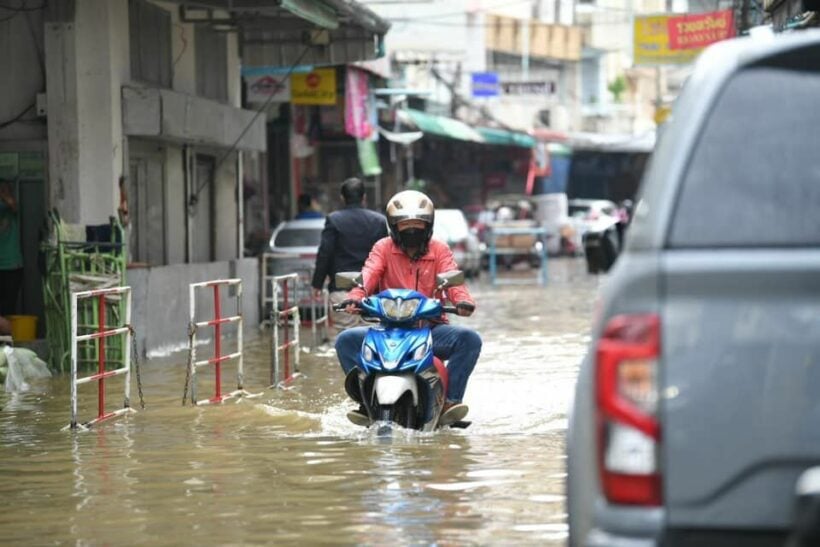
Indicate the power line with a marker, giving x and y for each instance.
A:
(23, 7)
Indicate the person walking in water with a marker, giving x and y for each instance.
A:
(347, 238)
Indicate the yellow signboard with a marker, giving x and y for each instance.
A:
(315, 87)
(652, 43)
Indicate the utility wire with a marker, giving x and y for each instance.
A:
(192, 200)
(23, 7)
(18, 117)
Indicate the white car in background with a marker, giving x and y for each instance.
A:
(450, 226)
(292, 249)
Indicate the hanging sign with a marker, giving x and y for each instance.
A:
(358, 121)
(315, 87)
(266, 87)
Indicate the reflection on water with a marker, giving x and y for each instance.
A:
(287, 468)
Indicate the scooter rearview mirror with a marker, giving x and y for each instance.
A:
(450, 279)
(348, 280)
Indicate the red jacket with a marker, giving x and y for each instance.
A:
(388, 267)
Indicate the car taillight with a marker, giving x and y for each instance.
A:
(627, 404)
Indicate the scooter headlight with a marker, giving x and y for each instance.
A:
(398, 309)
(367, 353)
(418, 355)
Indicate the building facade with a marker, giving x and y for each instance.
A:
(132, 109)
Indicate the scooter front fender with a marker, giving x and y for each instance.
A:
(390, 387)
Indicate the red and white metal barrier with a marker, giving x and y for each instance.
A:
(284, 285)
(217, 358)
(301, 295)
(101, 335)
(324, 320)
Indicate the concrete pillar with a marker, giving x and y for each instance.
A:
(87, 61)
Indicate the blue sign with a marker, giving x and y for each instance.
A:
(486, 84)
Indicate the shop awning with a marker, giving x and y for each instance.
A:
(493, 135)
(280, 33)
(451, 128)
(440, 125)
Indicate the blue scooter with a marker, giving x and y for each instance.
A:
(398, 379)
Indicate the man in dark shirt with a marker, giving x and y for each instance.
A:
(347, 238)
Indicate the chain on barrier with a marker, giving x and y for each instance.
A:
(100, 335)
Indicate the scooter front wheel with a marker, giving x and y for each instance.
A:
(402, 413)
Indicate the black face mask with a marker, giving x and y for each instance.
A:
(413, 237)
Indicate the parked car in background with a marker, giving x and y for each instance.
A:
(293, 248)
(450, 226)
(696, 409)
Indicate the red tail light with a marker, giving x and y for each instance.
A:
(627, 401)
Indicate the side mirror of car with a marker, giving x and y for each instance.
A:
(806, 529)
(450, 279)
(348, 280)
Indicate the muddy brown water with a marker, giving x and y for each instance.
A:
(287, 468)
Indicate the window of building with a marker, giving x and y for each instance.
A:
(149, 28)
(146, 208)
(211, 64)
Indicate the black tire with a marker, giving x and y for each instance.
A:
(402, 413)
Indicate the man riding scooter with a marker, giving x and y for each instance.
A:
(410, 259)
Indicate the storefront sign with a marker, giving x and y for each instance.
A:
(315, 87)
(268, 87)
(358, 119)
(696, 31)
(528, 88)
(678, 39)
(485, 84)
(651, 38)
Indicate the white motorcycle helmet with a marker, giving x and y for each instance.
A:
(411, 205)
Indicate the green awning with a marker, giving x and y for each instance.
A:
(441, 126)
(503, 137)
(558, 149)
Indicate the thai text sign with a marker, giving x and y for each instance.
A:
(315, 87)
(696, 31)
(678, 39)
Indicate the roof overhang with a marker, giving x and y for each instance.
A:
(281, 33)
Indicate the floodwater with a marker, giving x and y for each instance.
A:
(286, 468)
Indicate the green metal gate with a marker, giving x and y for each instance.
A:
(75, 262)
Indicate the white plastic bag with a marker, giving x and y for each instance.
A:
(22, 366)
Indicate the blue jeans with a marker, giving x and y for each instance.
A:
(459, 346)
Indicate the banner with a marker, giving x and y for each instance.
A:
(358, 122)
(368, 157)
(260, 88)
(678, 39)
(315, 87)
(698, 30)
